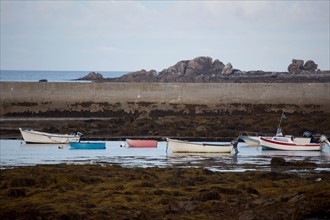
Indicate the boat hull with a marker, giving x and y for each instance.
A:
(251, 140)
(268, 144)
(87, 145)
(178, 146)
(37, 137)
(141, 143)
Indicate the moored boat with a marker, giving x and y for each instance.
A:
(287, 143)
(87, 145)
(37, 137)
(178, 146)
(252, 138)
(141, 143)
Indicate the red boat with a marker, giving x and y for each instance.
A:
(141, 143)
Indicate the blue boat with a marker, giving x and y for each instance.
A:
(87, 145)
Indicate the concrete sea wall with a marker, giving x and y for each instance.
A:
(97, 97)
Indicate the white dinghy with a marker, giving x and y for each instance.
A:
(178, 146)
(37, 137)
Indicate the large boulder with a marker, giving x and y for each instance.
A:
(296, 66)
(92, 76)
(217, 67)
(199, 65)
(310, 65)
(178, 69)
(228, 69)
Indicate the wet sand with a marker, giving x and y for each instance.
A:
(114, 192)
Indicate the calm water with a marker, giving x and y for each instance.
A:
(51, 76)
(16, 153)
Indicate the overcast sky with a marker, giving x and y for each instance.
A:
(134, 35)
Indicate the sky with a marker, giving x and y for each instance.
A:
(135, 35)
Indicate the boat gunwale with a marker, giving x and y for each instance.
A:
(199, 144)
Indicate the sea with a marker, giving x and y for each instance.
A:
(52, 76)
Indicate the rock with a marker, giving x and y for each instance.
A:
(310, 65)
(178, 69)
(210, 195)
(199, 65)
(196, 66)
(139, 76)
(199, 69)
(228, 69)
(296, 66)
(16, 192)
(217, 67)
(278, 161)
(203, 70)
(92, 76)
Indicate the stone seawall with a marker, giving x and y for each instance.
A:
(174, 109)
(43, 97)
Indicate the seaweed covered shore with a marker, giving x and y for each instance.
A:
(114, 192)
(193, 127)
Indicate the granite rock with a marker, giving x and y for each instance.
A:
(92, 76)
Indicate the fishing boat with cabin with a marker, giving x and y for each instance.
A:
(289, 143)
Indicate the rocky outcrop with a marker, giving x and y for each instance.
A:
(92, 76)
(204, 69)
(217, 67)
(310, 65)
(298, 66)
(198, 65)
(140, 76)
(199, 69)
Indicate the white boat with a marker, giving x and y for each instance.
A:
(178, 146)
(252, 138)
(288, 143)
(37, 137)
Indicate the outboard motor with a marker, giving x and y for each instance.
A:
(307, 134)
(324, 139)
(80, 134)
(235, 143)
